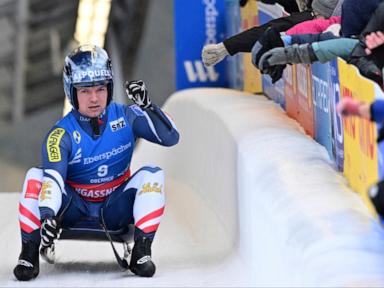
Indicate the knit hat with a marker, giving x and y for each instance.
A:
(324, 7)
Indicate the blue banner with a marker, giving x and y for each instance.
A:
(196, 24)
(235, 68)
(273, 91)
(337, 121)
(379, 95)
(321, 98)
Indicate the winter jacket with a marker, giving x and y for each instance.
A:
(244, 41)
(377, 111)
(331, 49)
(337, 11)
(290, 6)
(314, 26)
(310, 38)
(304, 4)
(355, 15)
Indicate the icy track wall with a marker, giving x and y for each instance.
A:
(309, 94)
(277, 208)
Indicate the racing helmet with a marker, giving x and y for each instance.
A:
(85, 66)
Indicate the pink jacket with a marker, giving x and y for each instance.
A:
(314, 26)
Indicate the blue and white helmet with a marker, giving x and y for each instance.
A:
(87, 65)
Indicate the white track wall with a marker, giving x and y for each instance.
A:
(249, 187)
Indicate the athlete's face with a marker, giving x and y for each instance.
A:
(92, 100)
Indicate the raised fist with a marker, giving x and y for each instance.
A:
(137, 92)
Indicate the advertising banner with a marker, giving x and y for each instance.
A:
(336, 120)
(252, 76)
(273, 91)
(205, 22)
(234, 63)
(290, 90)
(321, 86)
(269, 12)
(304, 98)
(379, 95)
(360, 149)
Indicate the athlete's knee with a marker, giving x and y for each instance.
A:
(152, 173)
(32, 183)
(34, 173)
(152, 169)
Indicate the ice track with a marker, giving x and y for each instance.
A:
(251, 201)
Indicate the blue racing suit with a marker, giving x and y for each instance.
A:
(84, 173)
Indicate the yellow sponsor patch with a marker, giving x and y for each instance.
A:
(46, 192)
(53, 143)
(148, 188)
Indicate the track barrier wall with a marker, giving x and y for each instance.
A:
(255, 192)
(309, 94)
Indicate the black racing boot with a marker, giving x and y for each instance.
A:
(27, 267)
(141, 261)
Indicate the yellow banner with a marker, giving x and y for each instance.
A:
(252, 76)
(360, 147)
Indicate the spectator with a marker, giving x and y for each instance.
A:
(374, 112)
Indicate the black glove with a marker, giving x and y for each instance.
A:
(50, 231)
(269, 40)
(365, 63)
(242, 3)
(137, 92)
(288, 55)
(275, 72)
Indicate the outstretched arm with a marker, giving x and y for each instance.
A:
(351, 107)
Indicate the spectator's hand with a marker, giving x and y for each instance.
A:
(213, 54)
(373, 40)
(294, 54)
(269, 40)
(276, 72)
(276, 56)
(50, 231)
(351, 107)
(137, 92)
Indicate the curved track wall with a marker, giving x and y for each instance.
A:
(252, 189)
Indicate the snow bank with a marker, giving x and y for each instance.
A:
(251, 188)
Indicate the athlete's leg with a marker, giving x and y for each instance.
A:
(140, 201)
(30, 224)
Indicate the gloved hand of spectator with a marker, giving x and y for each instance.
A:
(276, 72)
(137, 92)
(213, 54)
(269, 40)
(287, 55)
(365, 63)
